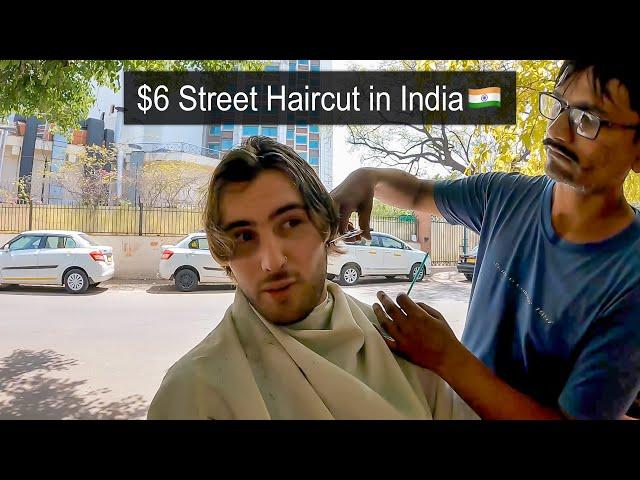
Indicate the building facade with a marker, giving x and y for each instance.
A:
(314, 143)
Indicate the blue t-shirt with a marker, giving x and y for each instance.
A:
(558, 321)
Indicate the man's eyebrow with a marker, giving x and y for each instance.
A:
(279, 211)
(583, 105)
(236, 224)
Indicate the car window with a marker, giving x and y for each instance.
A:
(70, 243)
(193, 244)
(54, 242)
(390, 243)
(375, 241)
(28, 242)
(181, 243)
(203, 244)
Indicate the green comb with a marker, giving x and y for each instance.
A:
(415, 277)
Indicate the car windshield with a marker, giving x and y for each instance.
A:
(184, 242)
(88, 239)
(474, 251)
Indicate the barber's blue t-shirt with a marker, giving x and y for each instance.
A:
(556, 320)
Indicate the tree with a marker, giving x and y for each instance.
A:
(63, 91)
(88, 179)
(170, 182)
(380, 209)
(466, 149)
(18, 192)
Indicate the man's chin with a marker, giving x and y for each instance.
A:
(559, 175)
(284, 316)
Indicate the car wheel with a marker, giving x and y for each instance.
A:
(186, 280)
(350, 274)
(76, 281)
(469, 276)
(414, 269)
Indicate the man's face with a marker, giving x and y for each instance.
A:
(601, 164)
(279, 258)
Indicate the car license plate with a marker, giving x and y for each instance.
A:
(471, 260)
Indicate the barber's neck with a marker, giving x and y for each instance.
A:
(579, 217)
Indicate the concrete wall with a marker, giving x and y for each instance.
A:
(136, 257)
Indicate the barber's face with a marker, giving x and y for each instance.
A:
(279, 258)
(592, 165)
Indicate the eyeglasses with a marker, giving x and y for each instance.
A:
(586, 124)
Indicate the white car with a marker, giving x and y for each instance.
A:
(385, 255)
(56, 257)
(189, 263)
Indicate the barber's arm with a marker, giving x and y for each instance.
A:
(423, 337)
(389, 185)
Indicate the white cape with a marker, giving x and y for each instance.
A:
(248, 368)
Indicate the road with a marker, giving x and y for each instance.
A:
(102, 355)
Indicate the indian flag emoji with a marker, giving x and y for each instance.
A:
(484, 97)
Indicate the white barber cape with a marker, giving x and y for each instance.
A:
(331, 365)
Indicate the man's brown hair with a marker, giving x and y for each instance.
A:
(245, 163)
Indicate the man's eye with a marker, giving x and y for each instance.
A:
(243, 236)
(292, 223)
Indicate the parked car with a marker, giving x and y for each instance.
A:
(189, 263)
(56, 257)
(467, 263)
(384, 255)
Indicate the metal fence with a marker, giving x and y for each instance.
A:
(118, 220)
(405, 227)
(448, 241)
(143, 220)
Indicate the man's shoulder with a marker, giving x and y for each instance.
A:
(513, 180)
(497, 184)
(366, 309)
(188, 365)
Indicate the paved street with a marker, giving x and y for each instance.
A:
(102, 355)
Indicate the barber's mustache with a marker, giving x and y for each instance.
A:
(561, 148)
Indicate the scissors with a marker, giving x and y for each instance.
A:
(352, 233)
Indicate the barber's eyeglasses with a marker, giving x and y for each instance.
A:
(585, 123)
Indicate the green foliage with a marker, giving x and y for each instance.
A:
(383, 210)
(62, 91)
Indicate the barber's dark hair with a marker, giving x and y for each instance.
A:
(602, 71)
(245, 163)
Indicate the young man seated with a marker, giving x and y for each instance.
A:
(292, 345)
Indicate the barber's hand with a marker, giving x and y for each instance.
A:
(420, 333)
(355, 194)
